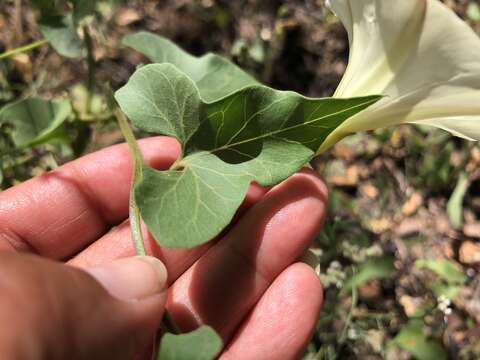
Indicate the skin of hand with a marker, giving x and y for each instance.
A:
(71, 286)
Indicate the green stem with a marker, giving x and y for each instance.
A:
(138, 162)
(22, 49)
(348, 321)
(168, 324)
(91, 67)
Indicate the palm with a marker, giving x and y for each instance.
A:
(247, 285)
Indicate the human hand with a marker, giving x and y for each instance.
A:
(247, 284)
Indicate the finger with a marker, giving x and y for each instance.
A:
(59, 213)
(282, 322)
(58, 312)
(225, 283)
(118, 243)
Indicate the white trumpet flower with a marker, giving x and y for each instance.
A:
(420, 56)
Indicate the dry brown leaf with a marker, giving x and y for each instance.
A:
(412, 204)
(341, 151)
(409, 304)
(126, 17)
(370, 290)
(442, 225)
(379, 226)
(469, 252)
(408, 227)
(376, 338)
(475, 155)
(350, 178)
(24, 66)
(369, 190)
(472, 229)
(468, 300)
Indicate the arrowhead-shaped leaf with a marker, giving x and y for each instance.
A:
(412, 339)
(34, 120)
(215, 76)
(200, 344)
(373, 268)
(444, 268)
(254, 134)
(61, 32)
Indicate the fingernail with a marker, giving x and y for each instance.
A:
(133, 278)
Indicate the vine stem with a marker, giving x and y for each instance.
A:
(348, 321)
(22, 49)
(91, 67)
(135, 219)
(135, 222)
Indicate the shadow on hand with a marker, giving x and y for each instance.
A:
(230, 278)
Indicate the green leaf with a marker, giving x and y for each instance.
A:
(215, 76)
(473, 12)
(442, 288)
(374, 268)
(412, 339)
(255, 134)
(200, 344)
(34, 120)
(444, 268)
(62, 35)
(455, 203)
(82, 9)
(47, 7)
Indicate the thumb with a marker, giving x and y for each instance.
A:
(55, 311)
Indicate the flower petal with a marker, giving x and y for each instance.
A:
(420, 55)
